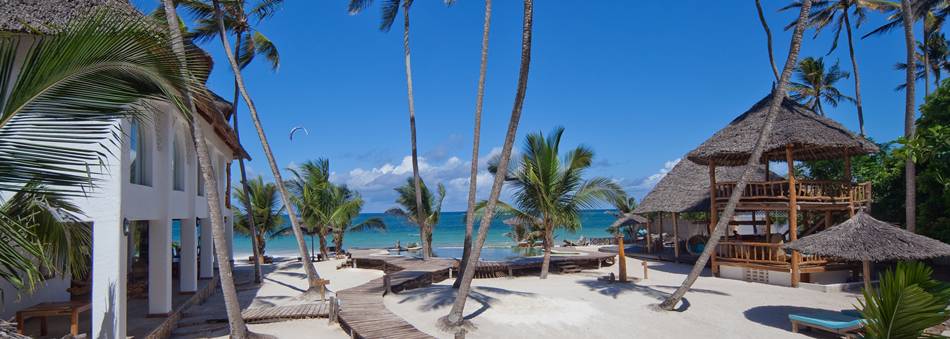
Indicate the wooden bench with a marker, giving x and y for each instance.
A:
(53, 309)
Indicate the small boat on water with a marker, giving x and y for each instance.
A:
(413, 248)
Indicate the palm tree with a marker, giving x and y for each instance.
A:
(778, 95)
(228, 290)
(312, 276)
(835, 12)
(260, 203)
(254, 43)
(625, 206)
(310, 188)
(815, 85)
(454, 318)
(931, 13)
(476, 136)
(936, 49)
(550, 191)
(430, 209)
(349, 204)
(768, 36)
(910, 173)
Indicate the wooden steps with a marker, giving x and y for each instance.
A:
(567, 268)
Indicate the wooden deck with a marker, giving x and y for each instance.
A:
(288, 312)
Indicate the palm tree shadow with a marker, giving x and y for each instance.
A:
(614, 289)
(777, 316)
(695, 290)
(436, 297)
(109, 319)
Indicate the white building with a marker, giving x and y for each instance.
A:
(152, 182)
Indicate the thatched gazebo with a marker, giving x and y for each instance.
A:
(865, 239)
(686, 189)
(798, 134)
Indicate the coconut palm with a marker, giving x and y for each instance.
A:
(454, 318)
(312, 276)
(624, 206)
(430, 209)
(261, 204)
(249, 43)
(910, 172)
(476, 136)
(936, 49)
(349, 204)
(389, 12)
(815, 85)
(551, 191)
(309, 186)
(768, 36)
(930, 13)
(238, 328)
(778, 95)
(826, 13)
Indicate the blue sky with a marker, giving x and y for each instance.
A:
(641, 82)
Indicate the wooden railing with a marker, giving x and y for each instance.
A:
(807, 190)
(762, 253)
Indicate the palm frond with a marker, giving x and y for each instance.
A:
(264, 46)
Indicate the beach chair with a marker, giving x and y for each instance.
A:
(847, 324)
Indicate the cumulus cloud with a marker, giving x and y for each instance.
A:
(641, 186)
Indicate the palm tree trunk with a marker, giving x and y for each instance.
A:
(257, 246)
(857, 76)
(778, 95)
(232, 306)
(546, 261)
(323, 246)
(278, 179)
(768, 36)
(926, 54)
(454, 318)
(473, 176)
(910, 208)
(420, 214)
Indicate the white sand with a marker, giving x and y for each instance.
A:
(578, 305)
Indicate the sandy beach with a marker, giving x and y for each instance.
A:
(572, 305)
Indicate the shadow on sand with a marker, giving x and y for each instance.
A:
(436, 297)
(777, 316)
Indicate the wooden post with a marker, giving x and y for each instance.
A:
(646, 270)
(867, 275)
(650, 234)
(713, 214)
(768, 227)
(676, 238)
(621, 259)
(847, 179)
(792, 213)
(828, 219)
(659, 216)
(755, 227)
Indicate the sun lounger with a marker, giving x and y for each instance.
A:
(845, 324)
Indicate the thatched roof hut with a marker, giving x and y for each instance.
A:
(686, 188)
(813, 137)
(863, 238)
(48, 16)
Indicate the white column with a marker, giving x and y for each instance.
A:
(188, 263)
(207, 250)
(109, 278)
(159, 266)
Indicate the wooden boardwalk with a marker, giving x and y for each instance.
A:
(287, 312)
(362, 312)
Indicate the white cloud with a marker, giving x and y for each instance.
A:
(640, 187)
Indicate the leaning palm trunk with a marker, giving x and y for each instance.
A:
(857, 76)
(778, 95)
(910, 210)
(257, 243)
(312, 276)
(454, 318)
(472, 184)
(423, 227)
(768, 36)
(232, 306)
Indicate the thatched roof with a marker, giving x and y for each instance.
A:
(635, 220)
(686, 188)
(48, 16)
(813, 137)
(864, 238)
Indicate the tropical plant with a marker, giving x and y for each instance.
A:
(430, 209)
(310, 194)
(525, 232)
(910, 172)
(551, 191)
(476, 136)
(454, 319)
(936, 49)
(260, 203)
(249, 43)
(815, 85)
(624, 206)
(349, 204)
(312, 276)
(907, 302)
(930, 13)
(778, 95)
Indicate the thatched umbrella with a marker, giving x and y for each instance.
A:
(863, 238)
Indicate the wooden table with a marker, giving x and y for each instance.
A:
(43, 310)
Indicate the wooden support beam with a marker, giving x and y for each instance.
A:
(713, 214)
(650, 234)
(768, 227)
(676, 238)
(793, 213)
(621, 259)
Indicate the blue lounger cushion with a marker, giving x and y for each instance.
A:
(837, 323)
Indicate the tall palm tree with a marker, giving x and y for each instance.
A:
(389, 12)
(768, 36)
(910, 172)
(312, 276)
(454, 318)
(228, 290)
(430, 209)
(624, 206)
(262, 204)
(550, 191)
(931, 13)
(835, 12)
(310, 193)
(815, 85)
(476, 136)
(778, 94)
(249, 43)
(349, 205)
(936, 49)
